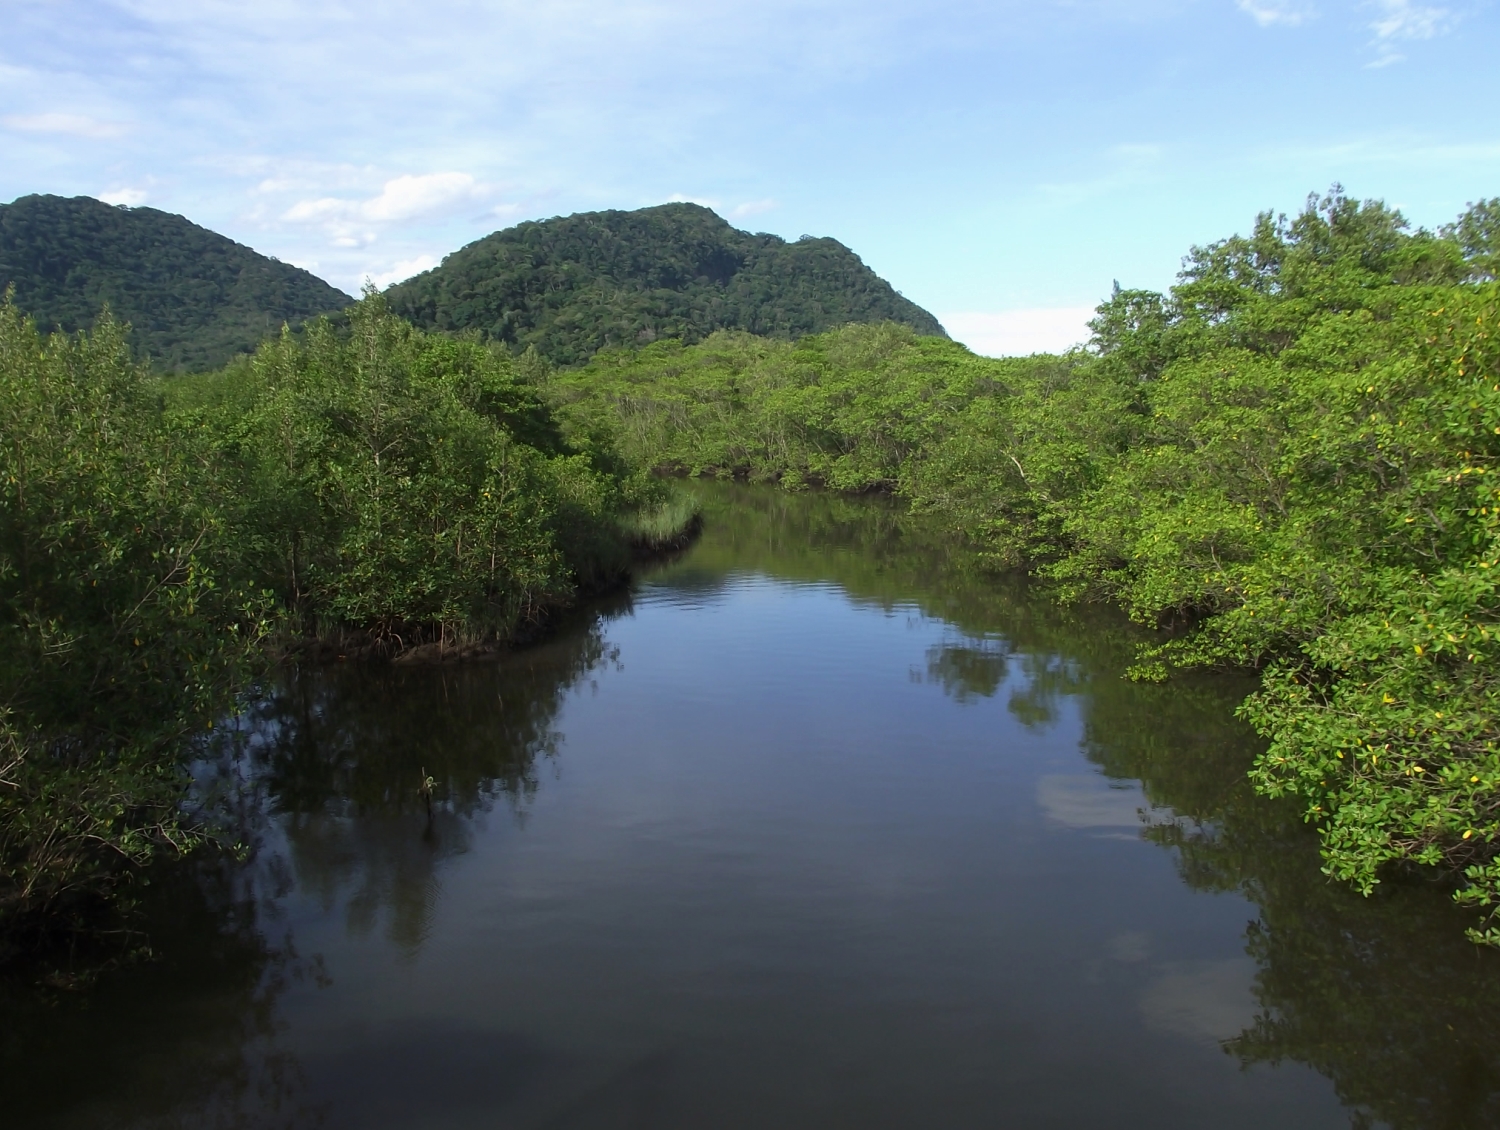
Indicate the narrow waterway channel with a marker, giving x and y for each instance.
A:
(816, 827)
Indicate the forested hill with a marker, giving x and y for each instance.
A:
(573, 285)
(193, 297)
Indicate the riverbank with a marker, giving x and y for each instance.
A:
(651, 535)
(959, 840)
(1292, 452)
(387, 493)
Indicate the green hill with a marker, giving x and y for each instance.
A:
(193, 297)
(575, 284)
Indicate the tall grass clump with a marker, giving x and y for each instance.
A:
(665, 525)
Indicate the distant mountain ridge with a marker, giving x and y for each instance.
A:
(568, 286)
(193, 297)
(573, 285)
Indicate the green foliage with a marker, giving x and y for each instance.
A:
(1477, 232)
(406, 485)
(120, 628)
(666, 526)
(369, 480)
(1288, 460)
(1311, 487)
(194, 299)
(847, 408)
(573, 285)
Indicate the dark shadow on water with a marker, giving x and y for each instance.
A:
(344, 752)
(185, 1038)
(322, 775)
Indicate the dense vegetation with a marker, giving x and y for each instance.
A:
(120, 627)
(368, 485)
(1287, 460)
(573, 285)
(193, 298)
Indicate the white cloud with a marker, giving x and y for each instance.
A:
(752, 208)
(404, 198)
(402, 202)
(327, 208)
(1086, 800)
(1269, 13)
(407, 197)
(1405, 20)
(131, 197)
(74, 125)
(1018, 333)
(1211, 1001)
(404, 270)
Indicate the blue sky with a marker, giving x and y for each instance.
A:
(1000, 163)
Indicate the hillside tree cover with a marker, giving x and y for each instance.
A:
(193, 298)
(1288, 462)
(572, 285)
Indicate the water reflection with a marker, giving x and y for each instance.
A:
(1382, 995)
(799, 865)
(375, 776)
(970, 670)
(1078, 800)
(327, 768)
(184, 1038)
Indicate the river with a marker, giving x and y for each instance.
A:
(817, 826)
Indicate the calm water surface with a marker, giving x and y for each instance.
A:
(817, 827)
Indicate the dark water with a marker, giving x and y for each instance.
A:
(816, 828)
